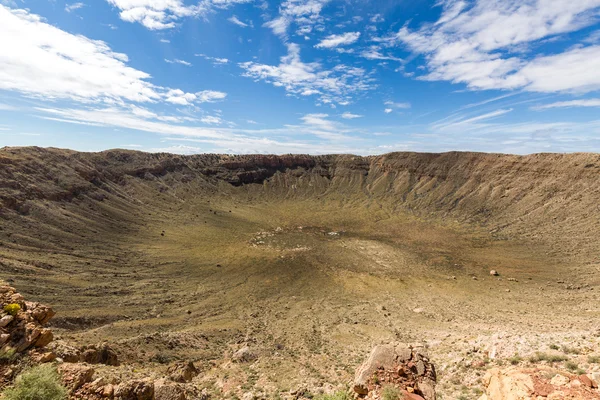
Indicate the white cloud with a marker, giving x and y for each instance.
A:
(463, 122)
(349, 115)
(43, 61)
(319, 135)
(304, 13)
(482, 44)
(73, 7)
(306, 79)
(177, 96)
(374, 53)
(568, 104)
(164, 14)
(376, 18)
(177, 61)
(387, 110)
(235, 20)
(165, 41)
(392, 104)
(177, 149)
(343, 39)
(211, 120)
(215, 60)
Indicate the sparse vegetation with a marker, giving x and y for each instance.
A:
(571, 366)
(38, 383)
(340, 395)
(551, 358)
(514, 360)
(13, 309)
(390, 392)
(594, 359)
(570, 350)
(7, 355)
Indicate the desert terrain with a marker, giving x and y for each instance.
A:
(309, 262)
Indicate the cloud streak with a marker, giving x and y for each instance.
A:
(333, 41)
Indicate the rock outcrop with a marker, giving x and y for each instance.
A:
(398, 366)
(537, 383)
(22, 323)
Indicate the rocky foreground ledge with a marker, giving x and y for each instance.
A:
(392, 371)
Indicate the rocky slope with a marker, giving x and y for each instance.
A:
(541, 196)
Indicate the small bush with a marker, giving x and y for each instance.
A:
(514, 360)
(38, 383)
(7, 356)
(571, 366)
(554, 347)
(13, 309)
(570, 350)
(594, 359)
(341, 395)
(551, 358)
(391, 393)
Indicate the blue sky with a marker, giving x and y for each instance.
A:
(301, 76)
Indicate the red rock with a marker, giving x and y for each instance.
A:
(587, 381)
(411, 396)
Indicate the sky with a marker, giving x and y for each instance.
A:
(301, 76)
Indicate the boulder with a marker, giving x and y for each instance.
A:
(99, 354)
(382, 356)
(182, 372)
(243, 355)
(135, 390)
(398, 365)
(65, 351)
(75, 376)
(164, 390)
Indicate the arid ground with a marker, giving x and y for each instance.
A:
(309, 261)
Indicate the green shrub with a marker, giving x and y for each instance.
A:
(391, 393)
(514, 360)
(13, 309)
(7, 355)
(570, 350)
(341, 395)
(572, 366)
(594, 359)
(38, 383)
(551, 358)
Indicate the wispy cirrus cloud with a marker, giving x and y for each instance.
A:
(235, 20)
(333, 41)
(44, 61)
(336, 85)
(178, 61)
(314, 134)
(349, 115)
(569, 104)
(463, 122)
(215, 60)
(73, 6)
